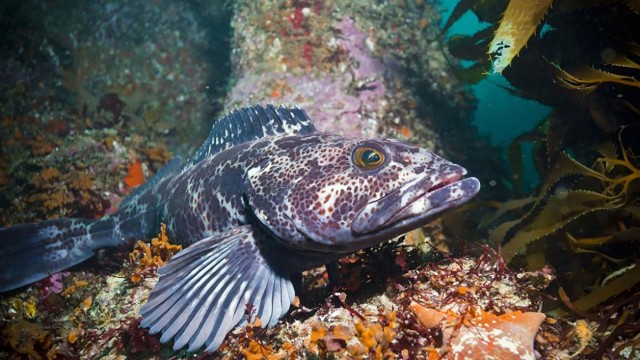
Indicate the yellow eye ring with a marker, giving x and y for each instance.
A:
(368, 158)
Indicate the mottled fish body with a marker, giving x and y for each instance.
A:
(265, 196)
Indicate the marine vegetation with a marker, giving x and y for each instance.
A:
(95, 312)
(580, 58)
(66, 167)
(265, 197)
(585, 222)
(151, 255)
(583, 60)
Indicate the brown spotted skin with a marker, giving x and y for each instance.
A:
(305, 190)
(320, 191)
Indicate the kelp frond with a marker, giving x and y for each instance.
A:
(554, 216)
(519, 22)
(625, 280)
(586, 78)
(587, 48)
(557, 206)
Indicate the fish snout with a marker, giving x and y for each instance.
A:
(419, 201)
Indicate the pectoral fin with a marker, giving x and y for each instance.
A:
(203, 291)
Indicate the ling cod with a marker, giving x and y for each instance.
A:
(264, 198)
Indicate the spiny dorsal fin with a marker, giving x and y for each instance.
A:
(252, 123)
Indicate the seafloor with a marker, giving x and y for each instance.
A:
(97, 96)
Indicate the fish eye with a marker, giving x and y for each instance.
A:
(368, 158)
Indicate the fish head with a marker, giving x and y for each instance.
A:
(343, 195)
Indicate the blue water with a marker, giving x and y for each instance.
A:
(499, 115)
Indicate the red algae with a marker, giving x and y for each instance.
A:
(135, 174)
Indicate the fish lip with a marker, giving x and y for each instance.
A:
(416, 203)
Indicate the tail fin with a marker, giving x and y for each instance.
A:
(30, 252)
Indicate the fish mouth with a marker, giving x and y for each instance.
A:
(416, 203)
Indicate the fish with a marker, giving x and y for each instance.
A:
(265, 197)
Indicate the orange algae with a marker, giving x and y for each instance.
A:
(161, 246)
(357, 339)
(73, 288)
(141, 255)
(49, 174)
(275, 93)
(72, 337)
(81, 182)
(406, 131)
(342, 332)
(29, 340)
(57, 194)
(248, 345)
(257, 351)
(29, 308)
(86, 303)
(289, 349)
(135, 175)
(583, 335)
(317, 332)
(41, 146)
(366, 335)
(376, 338)
(145, 256)
(158, 154)
(462, 290)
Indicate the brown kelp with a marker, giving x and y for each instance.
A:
(608, 185)
(584, 220)
(519, 22)
(582, 59)
(586, 68)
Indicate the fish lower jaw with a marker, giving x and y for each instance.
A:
(427, 207)
(421, 208)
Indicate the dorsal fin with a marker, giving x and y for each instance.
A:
(251, 123)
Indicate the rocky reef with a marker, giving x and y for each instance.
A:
(99, 96)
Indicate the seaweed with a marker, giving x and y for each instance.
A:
(65, 194)
(608, 185)
(361, 338)
(580, 58)
(144, 258)
(519, 22)
(250, 342)
(29, 340)
(585, 222)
